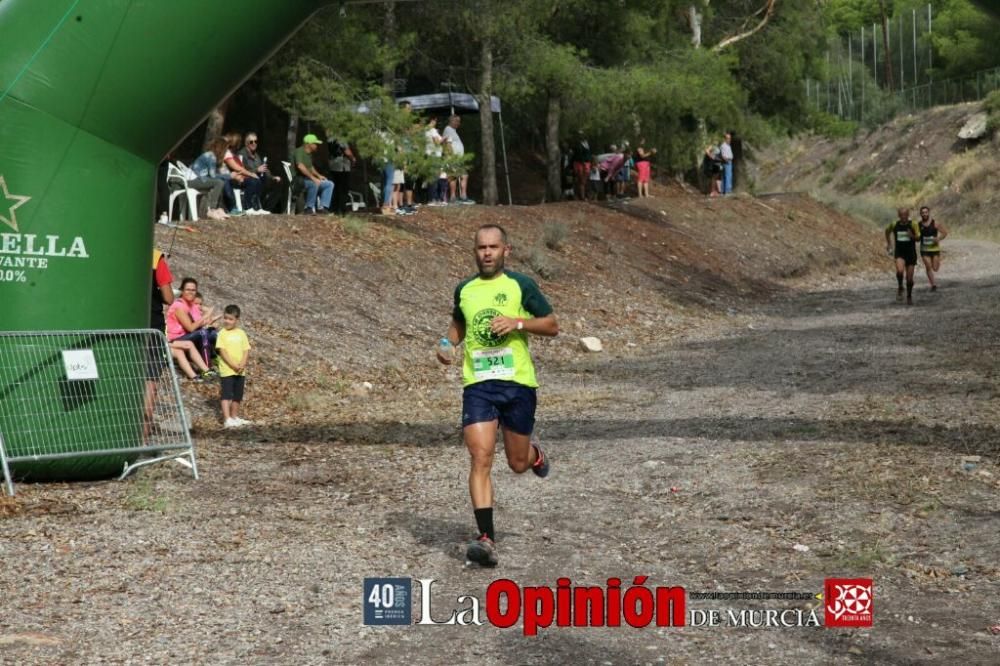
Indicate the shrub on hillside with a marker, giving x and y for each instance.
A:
(554, 235)
(991, 105)
(831, 126)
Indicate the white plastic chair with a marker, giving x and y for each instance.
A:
(238, 193)
(175, 176)
(289, 207)
(356, 200)
(376, 193)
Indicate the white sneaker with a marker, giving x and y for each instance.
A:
(242, 422)
(216, 214)
(163, 219)
(231, 423)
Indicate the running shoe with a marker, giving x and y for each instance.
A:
(909, 300)
(933, 287)
(899, 296)
(241, 422)
(231, 423)
(541, 466)
(482, 551)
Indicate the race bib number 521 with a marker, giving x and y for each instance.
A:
(493, 363)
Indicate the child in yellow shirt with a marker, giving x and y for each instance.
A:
(233, 347)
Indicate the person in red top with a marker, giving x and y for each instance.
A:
(156, 358)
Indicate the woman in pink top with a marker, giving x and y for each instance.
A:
(188, 332)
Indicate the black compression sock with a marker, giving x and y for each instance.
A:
(484, 521)
(909, 289)
(899, 279)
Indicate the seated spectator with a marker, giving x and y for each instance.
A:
(315, 183)
(273, 194)
(245, 179)
(210, 204)
(208, 166)
(186, 323)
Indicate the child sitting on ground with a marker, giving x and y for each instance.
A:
(234, 353)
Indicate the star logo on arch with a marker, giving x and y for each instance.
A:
(18, 200)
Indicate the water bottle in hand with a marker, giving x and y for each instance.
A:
(446, 351)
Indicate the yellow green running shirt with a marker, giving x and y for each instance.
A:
(506, 358)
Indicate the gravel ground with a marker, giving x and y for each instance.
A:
(832, 419)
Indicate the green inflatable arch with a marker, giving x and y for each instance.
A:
(93, 94)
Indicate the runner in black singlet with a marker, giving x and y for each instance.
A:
(931, 235)
(901, 239)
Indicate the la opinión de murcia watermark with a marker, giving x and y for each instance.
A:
(618, 603)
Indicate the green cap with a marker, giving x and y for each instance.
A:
(311, 138)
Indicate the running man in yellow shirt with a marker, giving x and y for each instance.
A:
(493, 313)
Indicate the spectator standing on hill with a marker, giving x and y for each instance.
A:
(317, 187)
(624, 176)
(434, 147)
(156, 360)
(643, 167)
(389, 154)
(272, 193)
(233, 347)
(610, 163)
(726, 154)
(461, 179)
(341, 160)
(711, 167)
(594, 182)
(582, 157)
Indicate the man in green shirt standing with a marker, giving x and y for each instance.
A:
(493, 313)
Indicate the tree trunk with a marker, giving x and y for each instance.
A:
(216, 123)
(489, 153)
(888, 50)
(694, 23)
(389, 34)
(553, 156)
(292, 134)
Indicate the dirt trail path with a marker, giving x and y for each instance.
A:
(835, 420)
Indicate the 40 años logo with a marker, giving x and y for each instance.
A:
(481, 328)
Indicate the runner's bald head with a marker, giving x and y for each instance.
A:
(503, 233)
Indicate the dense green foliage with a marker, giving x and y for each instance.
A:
(619, 70)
